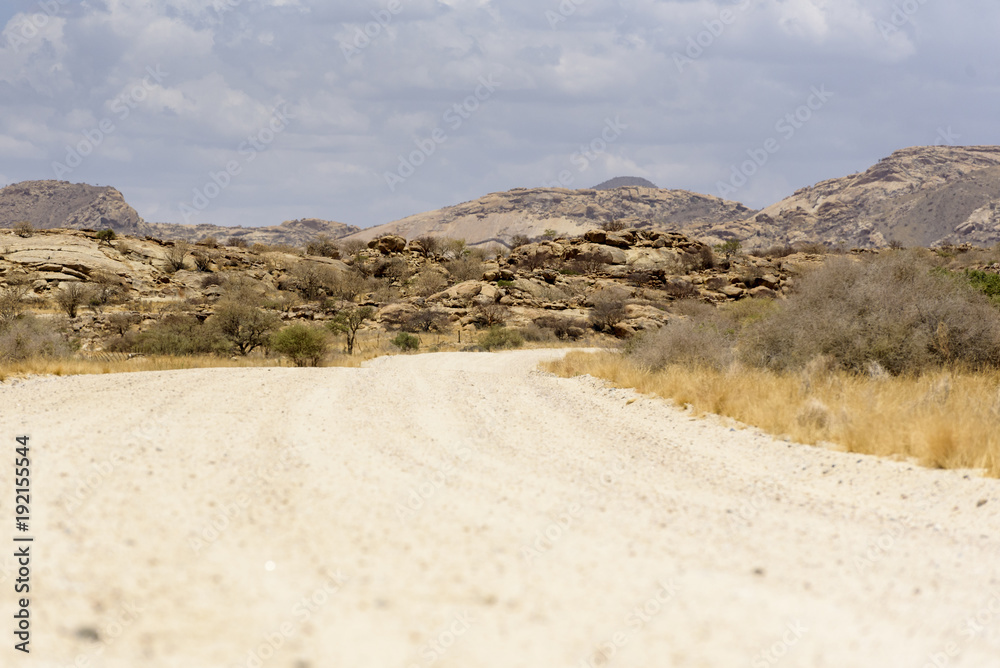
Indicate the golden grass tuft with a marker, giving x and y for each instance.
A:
(944, 419)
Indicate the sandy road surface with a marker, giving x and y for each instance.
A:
(463, 510)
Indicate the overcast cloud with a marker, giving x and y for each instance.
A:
(257, 111)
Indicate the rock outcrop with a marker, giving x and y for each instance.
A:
(922, 196)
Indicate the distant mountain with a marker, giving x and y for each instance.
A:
(530, 212)
(59, 204)
(920, 196)
(52, 204)
(623, 181)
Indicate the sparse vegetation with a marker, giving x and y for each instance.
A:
(23, 229)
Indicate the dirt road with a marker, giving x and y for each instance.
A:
(465, 510)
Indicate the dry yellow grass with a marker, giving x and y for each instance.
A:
(943, 419)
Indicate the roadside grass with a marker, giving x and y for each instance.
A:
(942, 419)
(369, 346)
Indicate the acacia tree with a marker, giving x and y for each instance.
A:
(349, 321)
(245, 326)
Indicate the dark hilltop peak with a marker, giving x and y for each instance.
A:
(625, 181)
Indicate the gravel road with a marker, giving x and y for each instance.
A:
(466, 510)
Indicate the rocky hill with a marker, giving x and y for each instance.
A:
(921, 196)
(549, 289)
(530, 212)
(59, 204)
(78, 206)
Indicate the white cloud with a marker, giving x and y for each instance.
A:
(225, 71)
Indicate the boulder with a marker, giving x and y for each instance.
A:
(396, 314)
(390, 243)
(763, 292)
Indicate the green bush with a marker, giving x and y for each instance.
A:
(985, 282)
(302, 344)
(500, 337)
(405, 341)
(106, 236)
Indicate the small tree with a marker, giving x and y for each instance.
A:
(302, 344)
(106, 236)
(729, 248)
(23, 229)
(72, 297)
(175, 255)
(609, 309)
(549, 234)
(122, 322)
(245, 326)
(490, 315)
(348, 322)
(13, 298)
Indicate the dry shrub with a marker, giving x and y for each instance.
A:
(312, 279)
(323, 246)
(609, 308)
(491, 315)
(429, 282)
(13, 299)
(29, 337)
(72, 297)
(892, 310)
(563, 327)
(466, 268)
(175, 255)
(685, 342)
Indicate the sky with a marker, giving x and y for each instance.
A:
(253, 112)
